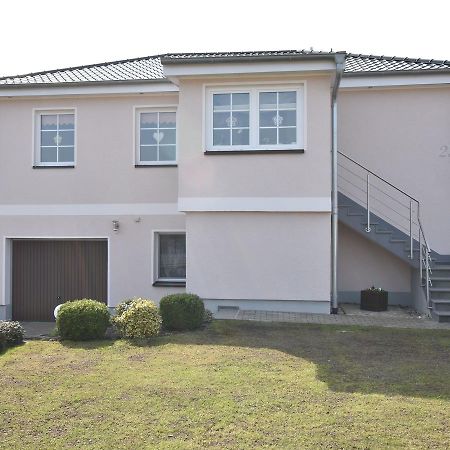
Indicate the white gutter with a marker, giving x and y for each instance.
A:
(340, 63)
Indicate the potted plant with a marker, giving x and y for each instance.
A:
(374, 299)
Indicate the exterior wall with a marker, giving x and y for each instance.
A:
(256, 259)
(262, 175)
(104, 171)
(362, 264)
(273, 261)
(130, 249)
(403, 134)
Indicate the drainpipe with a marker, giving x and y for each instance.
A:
(340, 63)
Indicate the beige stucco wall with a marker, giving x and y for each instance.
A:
(104, 171)
(259, 256)
(402, 134)
(266, 175)
(130, 249)
(362, 264)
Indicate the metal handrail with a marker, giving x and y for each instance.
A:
(424, 248)
(376, 175)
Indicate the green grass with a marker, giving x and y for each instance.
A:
(239, 385)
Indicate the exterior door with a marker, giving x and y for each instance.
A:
(46, 273)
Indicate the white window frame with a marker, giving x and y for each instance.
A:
(37, 114)
(254, 92)
(156, 235)
(137, 134)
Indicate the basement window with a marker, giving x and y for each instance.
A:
(170, 258)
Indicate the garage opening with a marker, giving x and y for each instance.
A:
(46, 273)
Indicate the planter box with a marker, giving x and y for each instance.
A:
(374, 300)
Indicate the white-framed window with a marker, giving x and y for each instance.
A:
(254, 118)
(55, 138)
(156, 136)
(170, 256)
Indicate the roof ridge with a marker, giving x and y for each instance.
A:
(84, 66)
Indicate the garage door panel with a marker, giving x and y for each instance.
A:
(46, 273)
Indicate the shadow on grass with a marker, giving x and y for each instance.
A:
(349, 359)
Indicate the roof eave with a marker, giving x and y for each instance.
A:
(68, 84)
(238, 59)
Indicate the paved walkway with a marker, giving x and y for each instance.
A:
(36, 330)
(348, 315)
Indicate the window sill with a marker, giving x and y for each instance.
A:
(161, 283)
(138, 166)
(254, 152)
(53, 167)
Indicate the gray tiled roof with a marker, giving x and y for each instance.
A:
(148, 68)
(151, 67)
(358, 64)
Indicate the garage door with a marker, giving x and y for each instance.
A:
(46, 273)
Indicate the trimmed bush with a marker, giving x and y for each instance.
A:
(182, 311)
(82, 320)
(11, 332)
(123, 306)
(140, 319)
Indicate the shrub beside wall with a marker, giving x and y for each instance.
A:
(182, 311)
(11, 333)
(82, 320)
(138, 318)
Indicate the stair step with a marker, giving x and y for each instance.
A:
(414, 249)
(438, 289)
(444, 301)
(441, 316)
(355, 214)
(441, 267)
(439, 278)
(398, 241)
(383, 232)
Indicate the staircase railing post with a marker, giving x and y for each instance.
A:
(420, 257)
(368, 203)
(427, 266)
(411, 250)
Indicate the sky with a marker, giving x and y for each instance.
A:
(49, 34)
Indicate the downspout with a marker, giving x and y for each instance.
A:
(340, 63)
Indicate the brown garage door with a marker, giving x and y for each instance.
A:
(46, 273)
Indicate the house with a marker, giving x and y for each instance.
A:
(281, 180)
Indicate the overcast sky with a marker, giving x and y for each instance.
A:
(50, 34)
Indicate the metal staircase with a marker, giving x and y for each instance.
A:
(390, 217)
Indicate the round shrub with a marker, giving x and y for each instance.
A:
(82, 320)
(12, 332)
(124, 305)
(139, 320)
(182, 311)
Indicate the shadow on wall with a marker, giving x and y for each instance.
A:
(349, 359)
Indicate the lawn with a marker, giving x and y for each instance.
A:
(239, 385)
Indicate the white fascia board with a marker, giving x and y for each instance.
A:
(254, 204)
(90, 209)
(394, 80)
(194, 70)
(79, 89)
